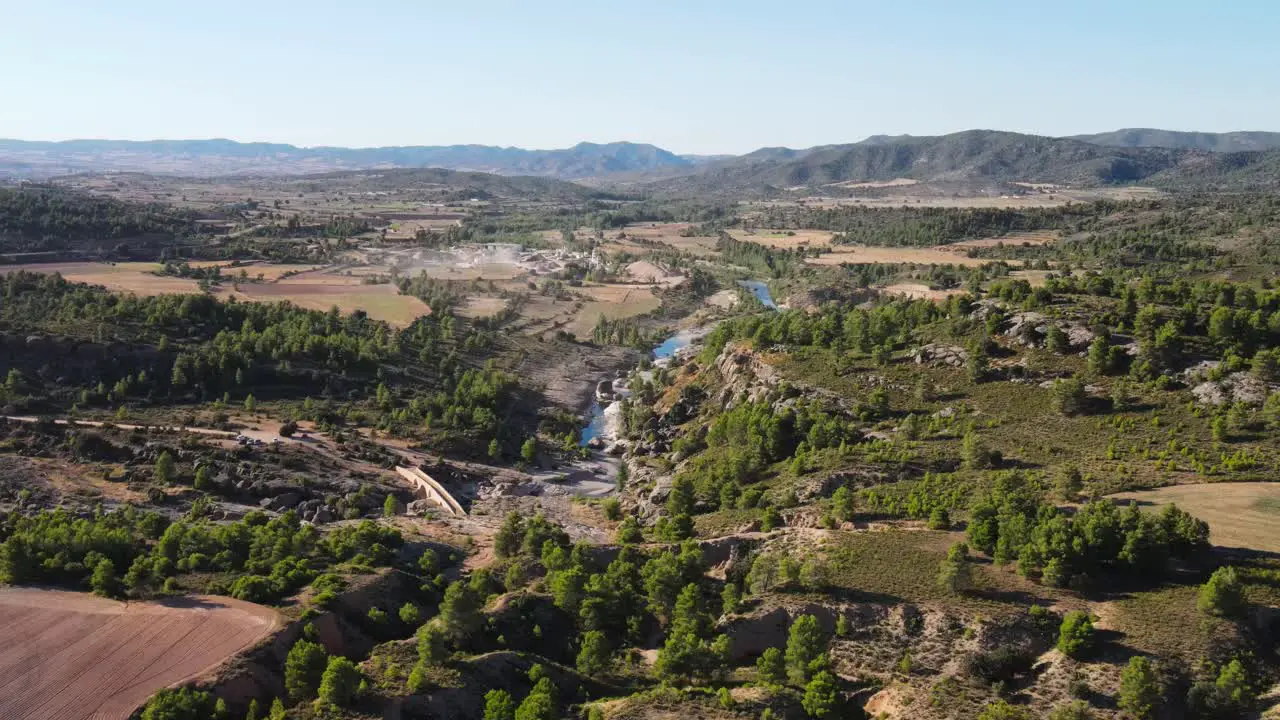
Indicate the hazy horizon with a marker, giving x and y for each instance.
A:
(694, 78)
(565, 147)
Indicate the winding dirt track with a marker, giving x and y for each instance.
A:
(73, 656)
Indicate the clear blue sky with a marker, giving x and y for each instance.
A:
(693, 76)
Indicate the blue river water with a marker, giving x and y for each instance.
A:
(760, 289)
(667, 348)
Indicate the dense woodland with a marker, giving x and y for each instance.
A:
(50, 220)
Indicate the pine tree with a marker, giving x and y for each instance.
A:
(164, 470)
(771, 667)
(821, 696)
(498, 705)
(1075, 635)
(303, 669)
(1139, 688)
(805, 643)
(104, 581)
(1223, 594)
(593, 656)
(340, 682)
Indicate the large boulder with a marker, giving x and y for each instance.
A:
(941, 354)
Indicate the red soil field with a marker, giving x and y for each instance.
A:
(73, 656)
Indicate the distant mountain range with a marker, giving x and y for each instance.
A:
(1158, 157)
(228, 157)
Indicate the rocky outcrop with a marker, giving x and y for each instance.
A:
(745, 377)
(941, 354)
(1236, 387)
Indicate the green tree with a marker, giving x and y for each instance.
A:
(1234, 689)
(629, 531)
(252, 712)
(340, 682)
(772, 519)
(182, 703)
(277, 710)
(410, 615)
(460, 614)
(1223, 594)
(805, 643)
(939, 519)
(433, 645)
(771, 667)
(730, 598)
(977, 364)
(250, 403)
(1139, 688)
(529, 450)
(821, 696)
(389, 506)
(1098, 356)
(1266, 365)
(203, 482)
(164, 470)
(1069, 397)
(104, 581)
(842, 504)
(1056, 340)
(1075, 635)
(955, 574)
(593, 656)
(303, 669)
(498, 705)
(1069, 483)
(540, 703)
(495, 450)
(974, 454)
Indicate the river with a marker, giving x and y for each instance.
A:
(760, 289)
(596, 421)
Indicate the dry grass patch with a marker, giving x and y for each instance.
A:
(481, 306)
(855, 254)
(787, 239)
(380, 302)
(1029, 238)
(1240, 515)
(127, 277)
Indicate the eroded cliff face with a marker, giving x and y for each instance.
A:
(259, 672)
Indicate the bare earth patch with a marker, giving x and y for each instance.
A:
(1242, 515)
(71, 655)
(920, 291)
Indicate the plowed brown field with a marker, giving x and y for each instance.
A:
(73, 656)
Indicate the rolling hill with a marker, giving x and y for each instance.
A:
(1214, 142)
(969, 156)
